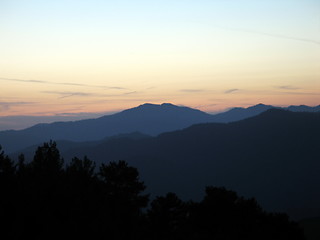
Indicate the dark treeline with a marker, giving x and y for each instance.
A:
(47, 199)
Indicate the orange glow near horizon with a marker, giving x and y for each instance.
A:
(94, 56)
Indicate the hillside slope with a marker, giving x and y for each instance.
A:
(273, 156)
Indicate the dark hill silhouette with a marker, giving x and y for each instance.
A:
(65, 145)
(150, 119)
(46, 197)
(273, 156)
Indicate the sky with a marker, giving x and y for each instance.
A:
(67, 57)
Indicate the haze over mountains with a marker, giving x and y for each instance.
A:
(22, 122)
(150, 119)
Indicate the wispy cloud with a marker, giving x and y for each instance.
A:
(4, 106)
(191, 90)
(69, 94)
(17, 103)
(288, 87)
(274, 35)
(129, 93)
(231, 90)
(61, 83)
(66, 94)
(302, 93)
(279, 92)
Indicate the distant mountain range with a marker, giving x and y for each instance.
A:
(273, 156)
(22, 122)
(149, 119)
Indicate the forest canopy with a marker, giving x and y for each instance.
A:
(47, 198)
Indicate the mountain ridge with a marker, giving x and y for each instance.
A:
(150, 119)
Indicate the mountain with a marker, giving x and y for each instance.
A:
(304, 108)
(150, 119)
(236, 114)
(22, 122)
(273, 156)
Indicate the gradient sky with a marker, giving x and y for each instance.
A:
(69, 57)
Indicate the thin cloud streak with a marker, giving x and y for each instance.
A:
(129, 93)
(231, 90)
(275, 92)
(66, 94)
(60, 83)
(5, 106)
(302, 93)
(288, 87)
(17, 103)
(191, 90)
(69, 94)
(307, 40)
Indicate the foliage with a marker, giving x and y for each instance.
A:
(47, 199)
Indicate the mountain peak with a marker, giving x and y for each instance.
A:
(146, 105)
(164, 108)
(156, 105)
(260, 106)
(143, 107)
(168, 105)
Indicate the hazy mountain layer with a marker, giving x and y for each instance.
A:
(148, 119)
(274, 157)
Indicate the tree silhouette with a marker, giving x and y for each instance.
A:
(167, 217)
(46, 199)
(224, 215)
(42, 188)
(82, 199)
(47, 160)
(83, 169)
(122, 192)
(8, 194)
(7, 167)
